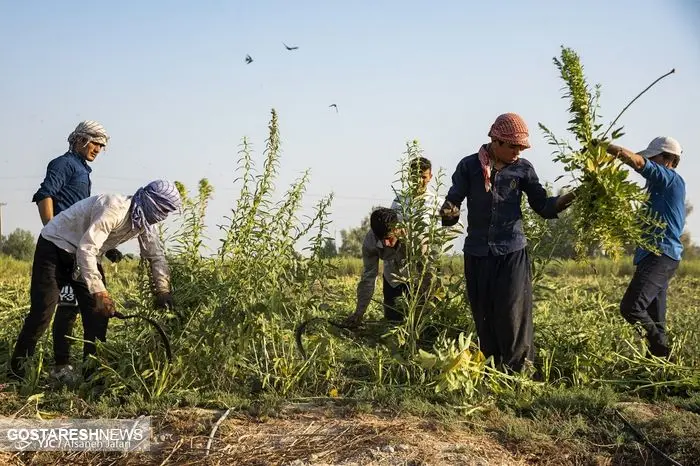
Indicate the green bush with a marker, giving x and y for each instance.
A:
(19, 245)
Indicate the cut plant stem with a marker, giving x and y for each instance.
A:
(633, 100)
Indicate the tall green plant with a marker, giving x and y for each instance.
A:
(260, 241)
(610, 210)
(191, 235)
(263, 277)
(237, 308)
(424, 242)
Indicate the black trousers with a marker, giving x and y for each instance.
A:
(51, 268)
(499, 289)
(62, 329)
(390, 294)
(645, 299)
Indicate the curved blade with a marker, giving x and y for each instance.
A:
(156, 326)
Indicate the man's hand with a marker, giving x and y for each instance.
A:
(565, 200)
(627, 157)
(449, 214)
(614, 150)
(354, 319)
(164, 301)
(114, 255)
(104, 304)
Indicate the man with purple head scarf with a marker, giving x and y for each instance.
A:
(71, 246)
(152, 203)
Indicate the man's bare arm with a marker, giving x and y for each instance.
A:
(45, 209)
(627, 157)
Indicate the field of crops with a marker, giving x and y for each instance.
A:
(233, 333)
(231, 352)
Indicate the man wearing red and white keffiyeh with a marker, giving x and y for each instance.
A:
(496, 263)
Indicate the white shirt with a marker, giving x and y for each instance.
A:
(430, 213)
(93, 226)
(432, 208)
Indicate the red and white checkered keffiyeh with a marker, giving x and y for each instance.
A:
(510, 128)
(485, 160)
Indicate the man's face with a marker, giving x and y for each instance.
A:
(392, 238)
(661, 161)
(89, 151)
(424, 180)
(505, 152)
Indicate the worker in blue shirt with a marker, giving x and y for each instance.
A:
(496, 262)
(644, 301)
(67, 181)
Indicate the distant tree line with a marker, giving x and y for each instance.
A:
(19, 244)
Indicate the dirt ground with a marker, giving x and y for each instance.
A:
(297, 436)
(305, 434)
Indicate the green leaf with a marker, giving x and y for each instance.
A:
(426, 360)
(617, 133)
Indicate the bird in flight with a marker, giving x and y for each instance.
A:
(335, 106)
(248, 59)
(290, 48)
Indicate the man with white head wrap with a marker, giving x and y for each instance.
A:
(67, 178)
(67, 181)
(69, 250)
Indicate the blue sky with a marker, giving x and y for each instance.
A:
(169, 82)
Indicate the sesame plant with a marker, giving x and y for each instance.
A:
(236, 309)
(424, 241)
(232, 331)
(610, 210)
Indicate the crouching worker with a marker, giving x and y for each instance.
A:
(381, 242)
(69, 250)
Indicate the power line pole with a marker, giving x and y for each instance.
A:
(1, 204)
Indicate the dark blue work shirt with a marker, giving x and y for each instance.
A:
(67, 181)
(667, 200)
(494, 218)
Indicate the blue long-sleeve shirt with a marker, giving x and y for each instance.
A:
(667, 200)
(494, 218)
(67, 181)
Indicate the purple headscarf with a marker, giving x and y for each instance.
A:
(152, 203)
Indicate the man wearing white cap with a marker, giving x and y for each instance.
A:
(645, 298)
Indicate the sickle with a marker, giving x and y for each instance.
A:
(301, 329)
(155, 325)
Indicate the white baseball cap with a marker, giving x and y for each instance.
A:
(660, 145)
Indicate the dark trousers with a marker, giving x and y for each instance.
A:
(391, 313)
(499, 289)
(645, 299)
(62, 329)
(52, 267)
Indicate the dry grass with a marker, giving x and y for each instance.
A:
(299, 435)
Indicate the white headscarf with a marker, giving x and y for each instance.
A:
(90, 130)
